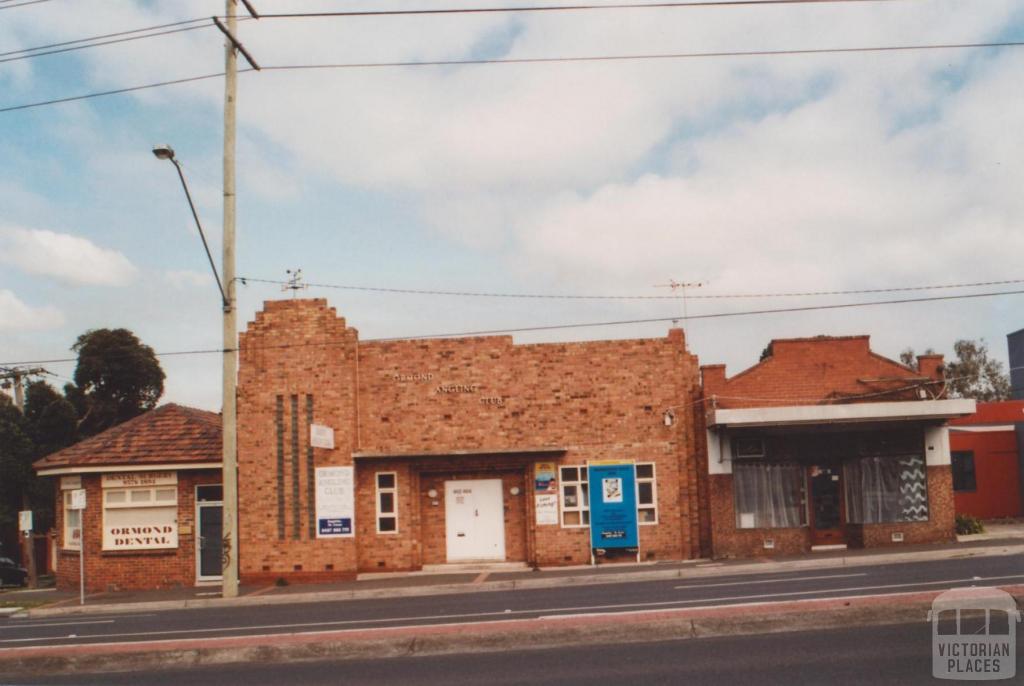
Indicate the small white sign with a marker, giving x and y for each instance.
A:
(78, 499)
(68, 483)
(546, 508)
(611, 490)
(321, 436)
(25, 520)
(139, 479)
(335, 502)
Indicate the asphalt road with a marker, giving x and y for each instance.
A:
(897, 655)
(503, 605)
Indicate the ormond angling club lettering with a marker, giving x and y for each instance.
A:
(139, 537)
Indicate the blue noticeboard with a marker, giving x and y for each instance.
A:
(613, 505)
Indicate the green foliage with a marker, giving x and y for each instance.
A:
(16, 453)
(975, 375)
(117, 378)
(966, 524)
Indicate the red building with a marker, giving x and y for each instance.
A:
(987, 455)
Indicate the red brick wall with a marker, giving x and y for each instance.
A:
(131, 570)
(809, 370)
(599, 400)
(940, 526)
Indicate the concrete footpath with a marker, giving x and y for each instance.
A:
(543, 632)
(420, 584)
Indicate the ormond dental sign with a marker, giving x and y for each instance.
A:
(141, 537)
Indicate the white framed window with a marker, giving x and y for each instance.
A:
(646, 493)
(140, 518)
(575, 496)
(72, 524)
(387, 502)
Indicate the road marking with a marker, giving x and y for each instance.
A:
(771, 581)
(33, 626)
(506, 613)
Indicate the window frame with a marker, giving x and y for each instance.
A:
(653, 505)
(582, 505)
(151, 503)
(378, 491)
(66, 539)
(958, 470)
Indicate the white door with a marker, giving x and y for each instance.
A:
(474, 520)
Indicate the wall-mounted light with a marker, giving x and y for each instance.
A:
(432, 493)
(669, 418)
(514, 490)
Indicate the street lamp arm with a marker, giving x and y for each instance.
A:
(202, 235)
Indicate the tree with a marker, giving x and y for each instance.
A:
(973, 374)
(117, 378)
(16, 453)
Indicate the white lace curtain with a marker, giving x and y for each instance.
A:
(769, 496)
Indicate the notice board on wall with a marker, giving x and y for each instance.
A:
(613, 520)
(335, 502)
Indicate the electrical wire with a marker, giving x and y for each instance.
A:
(579, 325)
(105, 42)
(530, 60)
(553, 296)
(693, 4)
(22, 4)
(102, 36)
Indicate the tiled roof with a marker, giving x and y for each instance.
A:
(170, 434)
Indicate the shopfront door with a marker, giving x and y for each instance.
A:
(209, 542)
(827, 520)
(474, 520)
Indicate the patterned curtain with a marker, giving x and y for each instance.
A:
(886, 489)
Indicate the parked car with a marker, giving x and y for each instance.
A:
(11, 574)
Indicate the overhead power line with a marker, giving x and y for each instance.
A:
(80, 44)
(530, 60)
(567, 296)
(693, 4)
(21, 4)
(577, 325)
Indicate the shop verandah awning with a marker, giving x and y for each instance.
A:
(790, 415)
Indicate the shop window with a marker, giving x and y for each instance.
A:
(72, 524)
(963, 471)
(646, 494)
(769, 495)
(140, 518)
(886, 489)
(575, 497)
(387, 503)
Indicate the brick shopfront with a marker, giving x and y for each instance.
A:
(387, 456)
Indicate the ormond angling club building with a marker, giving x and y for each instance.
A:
(358, 457)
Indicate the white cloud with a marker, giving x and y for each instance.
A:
(71, 259)
(17, 316)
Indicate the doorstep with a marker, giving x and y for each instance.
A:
(450, 568)
(827, 548)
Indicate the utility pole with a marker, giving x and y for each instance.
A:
(230, 449)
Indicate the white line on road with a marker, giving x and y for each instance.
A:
(508, 613)
(772, 581)
(33, 626)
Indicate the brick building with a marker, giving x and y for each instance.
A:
(153, 512)
(826, 444)
(450, 450)
(988, 460)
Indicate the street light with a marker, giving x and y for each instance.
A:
(229, 454)
(166, 152)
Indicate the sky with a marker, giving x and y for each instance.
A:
(747, 174)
